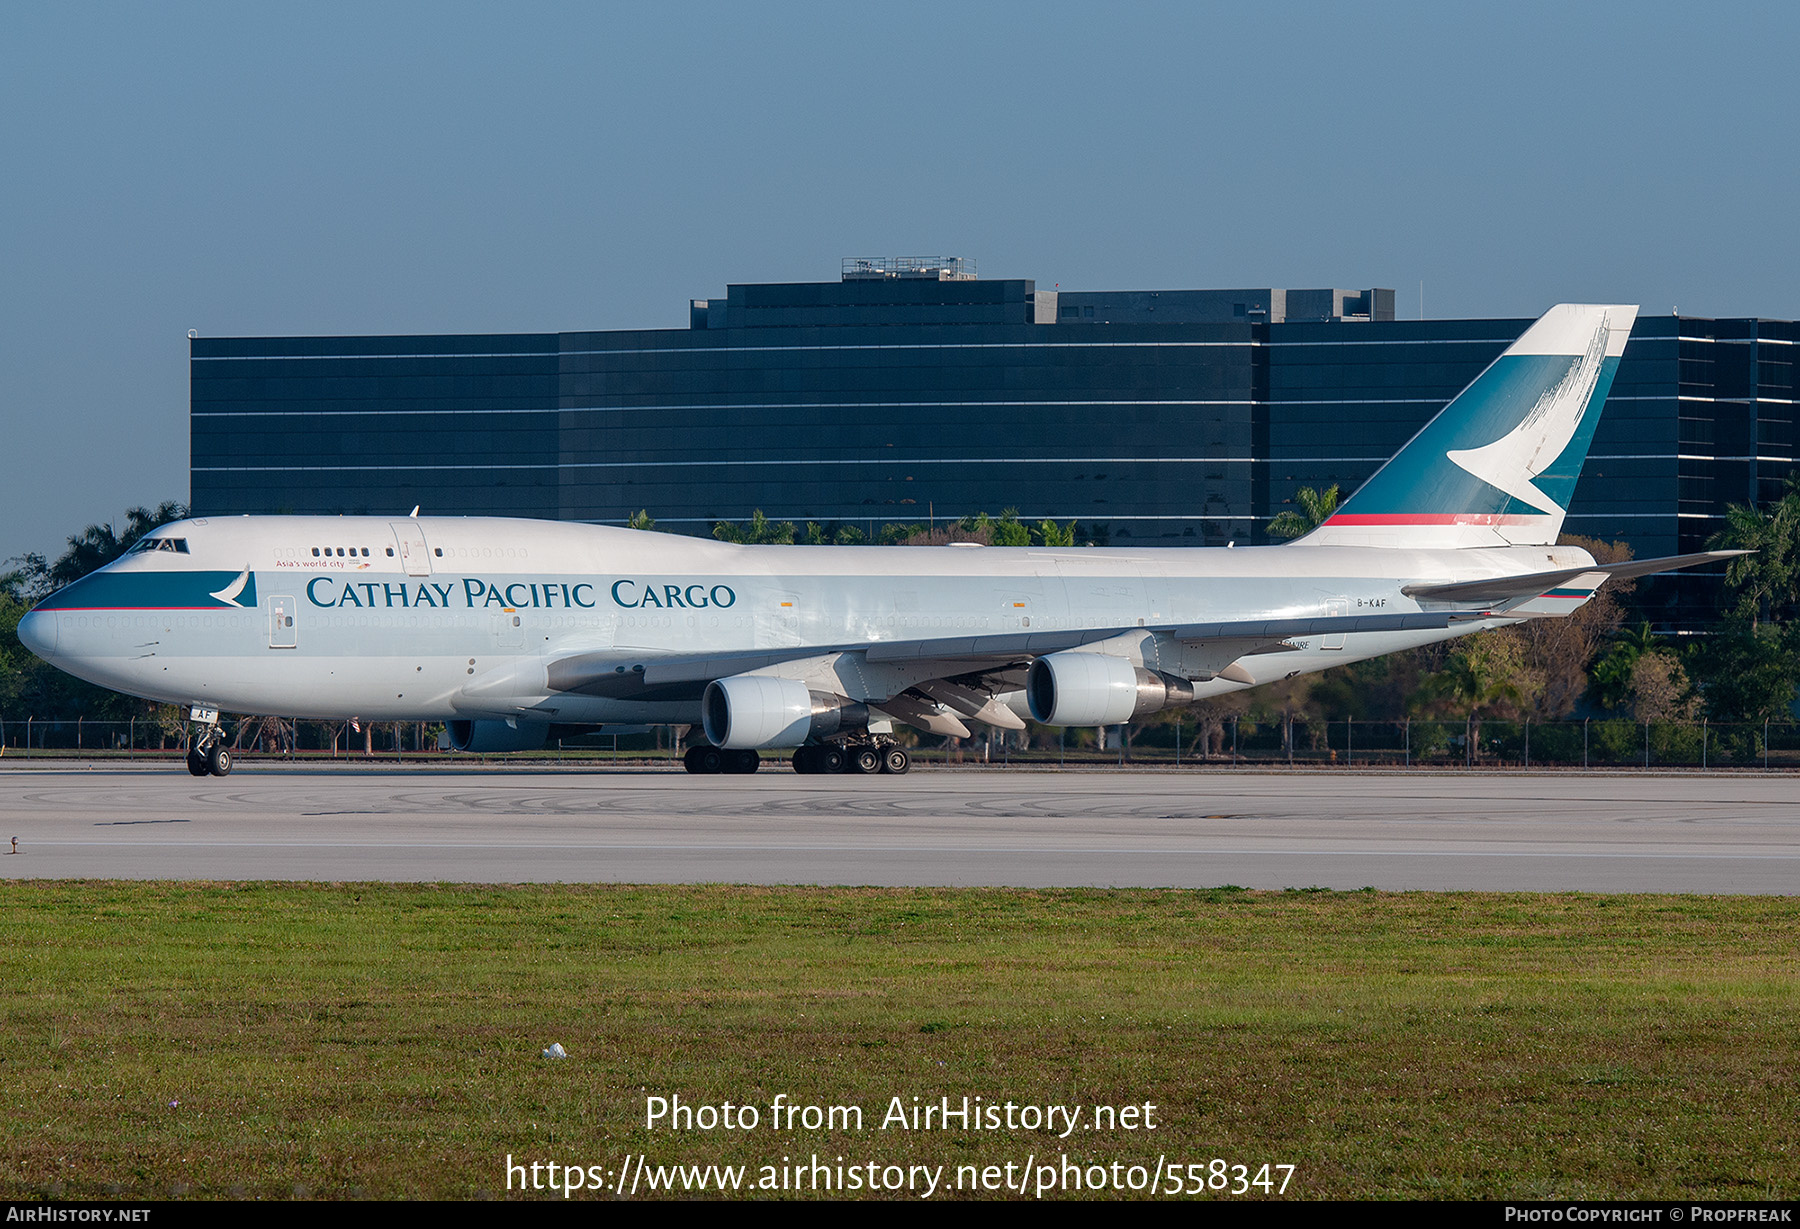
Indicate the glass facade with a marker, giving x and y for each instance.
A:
(868, 401)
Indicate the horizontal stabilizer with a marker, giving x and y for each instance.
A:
(1536, 584)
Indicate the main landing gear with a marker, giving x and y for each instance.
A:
(706, 758)
(209, 756)
(858, 758)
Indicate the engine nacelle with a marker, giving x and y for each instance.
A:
(754, 711)
(1094, 689)
(491, 737)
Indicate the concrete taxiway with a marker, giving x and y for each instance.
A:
(1512, 831)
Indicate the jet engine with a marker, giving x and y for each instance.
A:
(488, 737)
(754, 710)
(1094, 689)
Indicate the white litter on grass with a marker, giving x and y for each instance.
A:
(556, 1051)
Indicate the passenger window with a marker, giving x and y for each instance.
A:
(315, 552)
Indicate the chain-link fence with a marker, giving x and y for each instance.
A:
(284, 738)
(1468, 743)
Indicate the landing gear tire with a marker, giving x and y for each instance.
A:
(742, 761)
(806, 760)
(196, 764)
(829, 759)
(218, 760)
(895, 760)
(703, 760)
(865, 760)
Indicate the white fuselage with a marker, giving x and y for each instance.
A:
(442, 618)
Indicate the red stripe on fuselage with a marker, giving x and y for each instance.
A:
(1433, 518)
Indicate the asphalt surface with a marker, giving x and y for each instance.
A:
(1510, 831)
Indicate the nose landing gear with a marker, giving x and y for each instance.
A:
(208, 755)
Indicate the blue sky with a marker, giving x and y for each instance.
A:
(338, 168)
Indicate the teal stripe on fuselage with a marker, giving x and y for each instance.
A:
(106, 590)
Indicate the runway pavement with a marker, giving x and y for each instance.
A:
(1512, 831)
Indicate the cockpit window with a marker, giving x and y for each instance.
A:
(175, 545)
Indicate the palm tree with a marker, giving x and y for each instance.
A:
(1008, 531)
(1612, 673)
(758, 531)
(1315, 509)
(1487, 672)
(1764, 581)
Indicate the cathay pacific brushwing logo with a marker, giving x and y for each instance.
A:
(1512, 462)
(231, 592)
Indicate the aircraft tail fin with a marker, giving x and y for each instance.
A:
(1498, 465)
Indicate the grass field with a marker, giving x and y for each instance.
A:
(381, 1040)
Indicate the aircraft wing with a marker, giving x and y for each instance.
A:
(617, 672)
(1021, 646)
(1536, 584)
(936, 683)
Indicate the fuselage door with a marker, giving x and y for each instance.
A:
(1335, 608)
(778, 619)
(282, 632)
(509, 631)
(413, 551)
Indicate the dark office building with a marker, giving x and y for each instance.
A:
(910, 389)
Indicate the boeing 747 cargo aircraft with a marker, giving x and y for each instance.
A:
(510, 630)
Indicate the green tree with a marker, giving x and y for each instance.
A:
(1316, 508)
(1749, 670)
(1485, 676)
(1763, 584)
(1008, 531)
(1612, 674)
(29, 582)
(1659, 689)
(641, 519)
(1049, 533)
(17, 664)
(759, 530)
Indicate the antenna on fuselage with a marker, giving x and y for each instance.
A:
(414, 514)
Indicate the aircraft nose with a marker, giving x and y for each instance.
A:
(37, 632)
